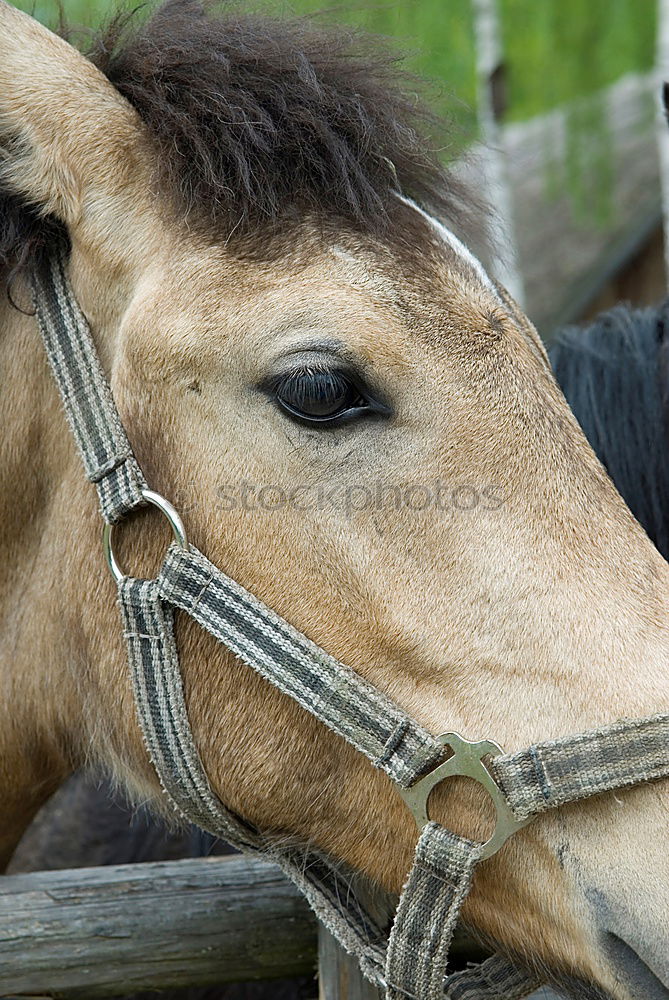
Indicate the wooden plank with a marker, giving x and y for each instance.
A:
(339, 977)
(561, 255)
(108, 931)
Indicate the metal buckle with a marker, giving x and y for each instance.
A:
(467, 761)
(163, 505)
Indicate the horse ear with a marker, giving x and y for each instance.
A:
(69, 143)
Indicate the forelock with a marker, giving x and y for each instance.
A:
(262, 124)
(257, 118)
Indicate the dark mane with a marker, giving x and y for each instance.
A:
(258, 119)
(615, 375)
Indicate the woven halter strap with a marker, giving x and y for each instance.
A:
(409, 962)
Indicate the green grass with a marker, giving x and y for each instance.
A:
(559, 50)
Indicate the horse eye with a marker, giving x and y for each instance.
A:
(321, 397)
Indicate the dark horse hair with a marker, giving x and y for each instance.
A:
(257, 121)
(615, 375)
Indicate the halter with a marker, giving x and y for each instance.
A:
(409, 963)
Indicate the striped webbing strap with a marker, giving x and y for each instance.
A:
(412, 961)
(89, 405)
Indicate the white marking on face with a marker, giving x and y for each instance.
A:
(456, 245)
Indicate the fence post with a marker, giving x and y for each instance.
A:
(490, 68)
(339, 977)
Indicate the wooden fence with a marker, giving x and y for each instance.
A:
(108, 931)
(557, 253)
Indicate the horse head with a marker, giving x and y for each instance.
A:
(358, 425)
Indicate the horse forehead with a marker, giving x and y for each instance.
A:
(452, 247)
(432, 290)
(385, 295)
(416, 238)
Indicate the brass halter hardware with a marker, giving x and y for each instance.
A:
(467, 762)
(166, 508)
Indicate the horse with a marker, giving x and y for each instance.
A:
(614, 375)
(358, 424)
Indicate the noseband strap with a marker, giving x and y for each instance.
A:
(429, 906)
(318, 682)
(551, 774)
(409, 963)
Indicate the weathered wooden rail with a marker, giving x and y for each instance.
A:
(100, 932)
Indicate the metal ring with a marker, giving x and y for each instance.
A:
(175, 522)
(467, 761)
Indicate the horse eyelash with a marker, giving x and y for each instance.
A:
(303, 381)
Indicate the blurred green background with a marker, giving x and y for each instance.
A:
(555, 50)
